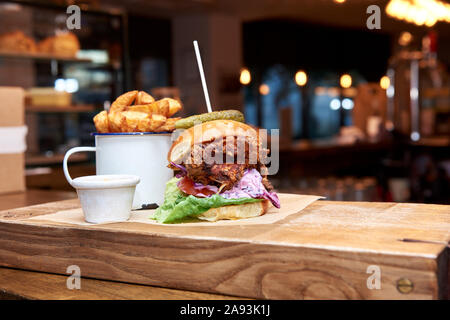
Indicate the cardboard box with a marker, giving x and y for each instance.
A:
(12, 140)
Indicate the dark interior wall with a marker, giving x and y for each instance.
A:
(291, 43)
(315, 47)
(149, 37)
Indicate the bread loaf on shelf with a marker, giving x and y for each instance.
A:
(64, 44)
(17, 41)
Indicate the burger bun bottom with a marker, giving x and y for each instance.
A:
(233, 212)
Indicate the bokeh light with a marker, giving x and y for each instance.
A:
(419, 12)
(264, 89)
(405, 38)
(335, 104)
(385, 82)
(245, 77)
(347, 104)
(346, 81)
(301, 78)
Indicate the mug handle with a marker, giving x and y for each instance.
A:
(68, 154)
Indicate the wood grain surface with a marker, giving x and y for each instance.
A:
(33, 197)
(322, 252)
(21, 284)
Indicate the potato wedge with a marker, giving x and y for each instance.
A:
(166, 107)
(136, 121)
(174, 106)
(154, 107)
(116, 122)
(101, 122)
(163, 106)
(143, 98)
(137, 111)
(141, 108)
(157, 120)
(123, 101)
(169, 125)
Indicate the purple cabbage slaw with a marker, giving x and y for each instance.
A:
(250, 186)
(182, 168)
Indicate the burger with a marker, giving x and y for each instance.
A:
(219, 174)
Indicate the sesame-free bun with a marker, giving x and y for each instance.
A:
(233, 212)
(208, 132)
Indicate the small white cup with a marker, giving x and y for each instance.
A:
(105, 198)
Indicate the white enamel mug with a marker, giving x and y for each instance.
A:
(140, 154)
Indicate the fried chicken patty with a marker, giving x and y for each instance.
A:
(224, 174)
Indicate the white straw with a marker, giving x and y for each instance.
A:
(202, 75)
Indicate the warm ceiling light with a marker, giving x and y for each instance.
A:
(301, 78)
(346, 81)
(419, 12)
(264, 89)
(385, 82)
(245, 77)
(405, 38)
(339, 1)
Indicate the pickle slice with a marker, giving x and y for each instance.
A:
(188, 122)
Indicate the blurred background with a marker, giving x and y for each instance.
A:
(363, 112)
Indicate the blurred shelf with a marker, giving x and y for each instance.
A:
(436, 141)
(102, 66)
(71, 108)
(304, 148)
(40, 57)
(41, 159)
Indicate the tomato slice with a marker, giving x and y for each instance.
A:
(188, 186)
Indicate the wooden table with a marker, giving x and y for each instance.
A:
(21, 284)
(324, 251)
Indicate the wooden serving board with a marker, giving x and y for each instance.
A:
(321, 252)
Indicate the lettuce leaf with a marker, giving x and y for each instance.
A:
(179, 207)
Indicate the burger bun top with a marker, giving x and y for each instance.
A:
(207, 132)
